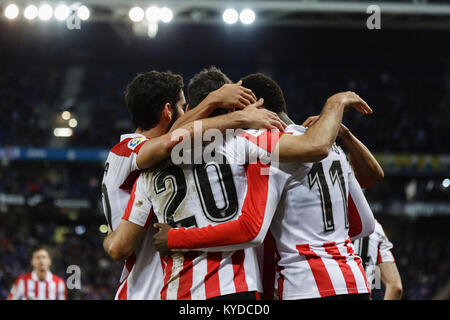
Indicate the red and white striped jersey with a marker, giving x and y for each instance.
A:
(205, 195)
(29, 287)
(121, 171)
(311, 230)
(374, 250)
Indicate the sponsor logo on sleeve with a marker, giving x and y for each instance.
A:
(133, 143)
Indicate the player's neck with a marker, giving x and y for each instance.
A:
(42, 275)
(157, 131)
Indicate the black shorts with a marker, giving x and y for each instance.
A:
(247, 295)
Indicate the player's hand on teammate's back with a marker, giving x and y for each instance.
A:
(260, 118)
(160, 238)
(351, 100)
(233, 96)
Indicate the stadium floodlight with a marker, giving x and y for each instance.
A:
(153, 14)
(66, 115)
(230, 16)
(62, 12)
(83, 13)
(11, 11)
(103, 228)
(136, 14)
(62, 132)
(247, 16)
(45, 12)
(166, 14)
(73, 123)
(31, 12)
(446, 182)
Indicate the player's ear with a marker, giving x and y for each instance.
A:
(167, 112)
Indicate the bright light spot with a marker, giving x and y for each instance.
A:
(152, 29)
(247, 16)
(136, 14)
(83, 13)
(446, 182)
(73, 123)
(166, 14)
(80, 230)
(103, 228)
(62, 12)
(66, 115)
(45, 12)
(62, 132)
(152, 14)
(230, 16)
(12, 11)
(31, 12)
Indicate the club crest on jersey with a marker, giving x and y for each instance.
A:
(133, 143)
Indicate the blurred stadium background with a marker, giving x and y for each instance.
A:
(62, 108)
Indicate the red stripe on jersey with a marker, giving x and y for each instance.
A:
(280, 281)
(212, 282)
(350, 282)
(266, 140)
(168, 274)
(239, 273)
(36, 289)
(123, 292)
(129, 181)
(46, 290)
(354, 219)
(242, 230)
(185, 282)
(123, 150)
(130, 261)
(25, 280)
(320, 273)
(358, 261)
(269, 267)
(129, 207)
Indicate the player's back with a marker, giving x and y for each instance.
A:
(203, 194)
(310, 229)
(121, 171)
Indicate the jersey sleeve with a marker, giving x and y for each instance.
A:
(384, 247)
(139, 209)
(17, 290)
(360, 216)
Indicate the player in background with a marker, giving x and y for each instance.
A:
(376, 252)
(234, 232)
(187, 276)
(40, 284)
(155, 101)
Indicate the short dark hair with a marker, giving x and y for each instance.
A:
(147, 94)
(39, 248)
(203, 83)
(266, 88)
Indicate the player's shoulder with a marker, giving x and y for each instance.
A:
(128, 144)
(23, 276)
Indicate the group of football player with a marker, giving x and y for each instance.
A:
(275, 211)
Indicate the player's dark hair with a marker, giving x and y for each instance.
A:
(39, 248)
(147, 94)
(266, 88)
(203, 83)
